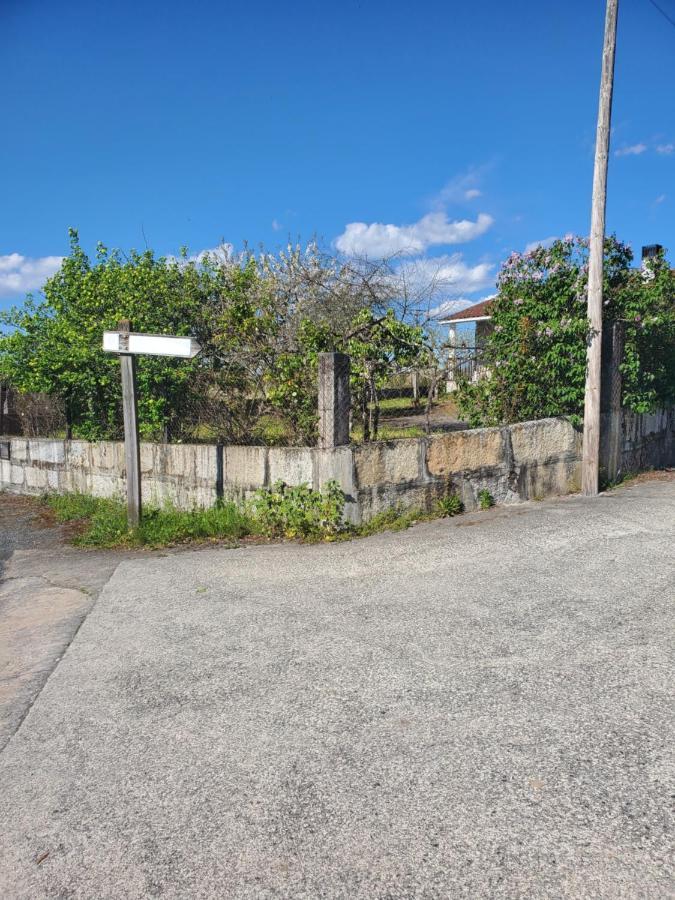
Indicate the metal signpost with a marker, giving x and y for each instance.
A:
(129, 345)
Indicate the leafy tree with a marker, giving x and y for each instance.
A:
(54, 345)
(261, 321)
(536, 354)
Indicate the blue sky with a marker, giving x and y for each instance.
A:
(448, 131)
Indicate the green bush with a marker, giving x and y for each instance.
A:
(283, 511)
(535, 356)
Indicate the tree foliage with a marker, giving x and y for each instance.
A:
(536, 354)
(261, 321)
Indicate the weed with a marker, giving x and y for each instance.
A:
(485, 499)
(450, 505)
(393, 519)
(300, 511)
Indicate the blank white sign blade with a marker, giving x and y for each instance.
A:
(152, 344)
(111, 341)
(161, 345)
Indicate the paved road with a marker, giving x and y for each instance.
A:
(46, 590)
(480, 707)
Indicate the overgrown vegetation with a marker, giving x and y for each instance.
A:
(263, 319)
(536, 354)
(278, 512)
(299, 511)
(103, 523)
(260, 319)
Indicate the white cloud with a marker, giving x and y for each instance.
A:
(632, 150)
(545, 242)
(276, 226)
(379, 240)
(223, 253)
(666, 149)
(660, 199)
(462, 187)
(19, 274)
(447, 275)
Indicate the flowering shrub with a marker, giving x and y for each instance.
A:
(536, 355)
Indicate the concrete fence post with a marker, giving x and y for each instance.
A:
(334, 401)
(610, 400)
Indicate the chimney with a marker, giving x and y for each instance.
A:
(650, 251)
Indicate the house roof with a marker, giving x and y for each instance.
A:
(480, 310)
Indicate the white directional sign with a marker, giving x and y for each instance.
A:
(128, 344)
(150, 344)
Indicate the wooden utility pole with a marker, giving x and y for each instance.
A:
(591, 450)
(132, 448)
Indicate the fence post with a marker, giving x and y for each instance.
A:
(334, 401)
(610, 400)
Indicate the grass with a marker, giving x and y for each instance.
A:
(103, 523)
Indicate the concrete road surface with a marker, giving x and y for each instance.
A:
(46, 590)
(478, 707)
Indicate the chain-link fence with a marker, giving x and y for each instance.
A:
(329, 402)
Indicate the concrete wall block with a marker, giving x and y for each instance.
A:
(546, 439)
(388, 462)
(338, 465)
(501, 484)
(549, 479)
(17, 474)
(78, 454)
(74, 481)
(148, 457)
(292, 465)
(19, 450)
(47, 452)
(177, 460)
(107, 456)
(108, 486)
(206, 462)
(244, 467)
(5, 469)
(335, 465)
(161, 492)
(465, 451)
(36, 479)
(405, 495)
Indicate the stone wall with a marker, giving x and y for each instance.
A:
(530, 460)
(517, 462)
